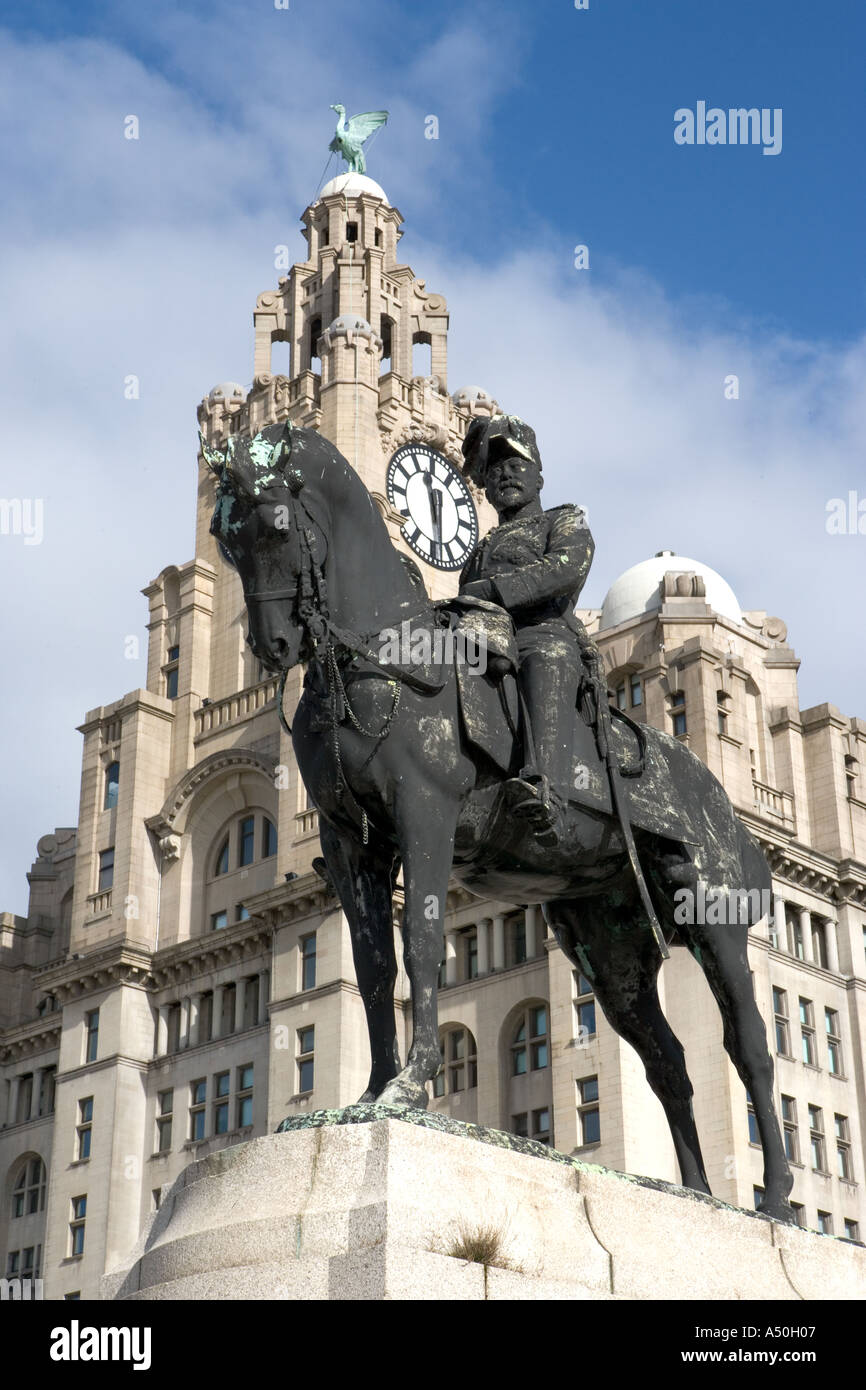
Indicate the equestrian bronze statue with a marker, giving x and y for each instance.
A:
(522, 782)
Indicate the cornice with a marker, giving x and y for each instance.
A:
(27, 1039)
(118, 962)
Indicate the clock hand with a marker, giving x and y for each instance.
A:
(435, 500)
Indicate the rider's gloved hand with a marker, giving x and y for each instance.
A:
(479, 588)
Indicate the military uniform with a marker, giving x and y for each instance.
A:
(536, 566)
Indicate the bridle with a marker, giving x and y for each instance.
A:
(309, 600)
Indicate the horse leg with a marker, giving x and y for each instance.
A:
(721, 953)
(364, 886)
(427, 846)
(623, 968)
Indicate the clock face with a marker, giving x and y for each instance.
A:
(441, 523)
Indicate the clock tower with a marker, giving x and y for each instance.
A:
(367, 345)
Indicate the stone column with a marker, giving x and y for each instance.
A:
(35, 1087)
(830, 930)
(484, 946)
(806, 932)
(194, 1019)
(530, 917)
(499, 943)
(162, 1031)
(264, 995)
(183, 1038)
(778, 922)
(217, 1029)
(450, 958)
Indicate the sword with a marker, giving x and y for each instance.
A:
(604, 742)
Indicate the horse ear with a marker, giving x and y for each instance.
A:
(214, 458)
(283, 449)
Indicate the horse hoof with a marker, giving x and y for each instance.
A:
(779, 1211)
(409, 1095)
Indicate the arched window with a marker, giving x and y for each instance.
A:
(240, 865)
(112, 781)
(722, 698)
(28, 1194)
(422, 354)
(269, 838)
(459, 1068)
(386, 333)
(315, 335)
(529, 1048)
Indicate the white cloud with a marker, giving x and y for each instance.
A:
(146, 257)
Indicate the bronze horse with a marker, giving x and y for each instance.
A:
(387, 762)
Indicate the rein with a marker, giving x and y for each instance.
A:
(309, 596)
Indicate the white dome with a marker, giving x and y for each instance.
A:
(352, 185)
(227, 391)
(638, 590)
(465, 395)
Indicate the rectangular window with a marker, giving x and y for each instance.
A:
(844, 1167)
(306, 1049)
(155, 1198)
(825, 1223)
(222, 1088)
(308, 961)
(246, 841)
(245, 1096)
(91, 1035)
(789, 1129)
(780, 1012)
(584, 1008)
(816, 1139)
(252, 985)
(678, 712)
(807, 1032)
(85, 1127)
(620, 697)
(164, 1110)
(241, 913)
(170, 671)
(754, 1136)
(819, 943)
(757, 1197)
(541, 1126)
(519, 1126)
(798, 949)
(799, 1214)
(218, 920)
(197, 1109)
(852, 1229)
(834, 1042)
(106, 869)
(636, 691)
(588, 1111)
(76, 1225)
(112, 786)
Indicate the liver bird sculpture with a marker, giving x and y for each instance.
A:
(351, 135)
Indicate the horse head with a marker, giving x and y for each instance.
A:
(267, 532)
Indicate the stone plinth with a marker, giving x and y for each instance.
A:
(377, 1203)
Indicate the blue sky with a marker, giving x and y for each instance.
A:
(555, 128)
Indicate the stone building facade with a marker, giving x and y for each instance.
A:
(183, 979)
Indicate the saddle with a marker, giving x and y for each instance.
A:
(490, 714)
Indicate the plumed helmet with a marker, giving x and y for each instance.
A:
(488, 439)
